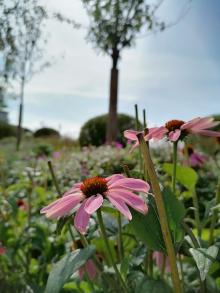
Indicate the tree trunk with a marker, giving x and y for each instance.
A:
(111, 132)
(20, 118)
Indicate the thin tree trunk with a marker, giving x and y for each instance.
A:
(111, 132)
(20, 118)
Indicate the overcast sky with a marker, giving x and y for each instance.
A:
(174, 74)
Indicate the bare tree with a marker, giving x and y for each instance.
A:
(29, 42)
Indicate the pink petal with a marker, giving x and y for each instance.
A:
(209, 133)
(114, 178)
(174, 135)
(121, 206)
(131, 183)
(61, 201)
(133, 200)
(91, 269)
(204, 123)
(134, 146)
(81, 219)
(190, 123)
(62, 208)
(93, 203)
(72, 191)
(156, 133)
(131, 134)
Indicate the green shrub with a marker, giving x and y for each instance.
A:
(93, 132)
(43, 149)
(46, 131)
(7, 130)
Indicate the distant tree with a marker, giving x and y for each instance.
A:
(8, 15)
(114, 25)
(29, 49)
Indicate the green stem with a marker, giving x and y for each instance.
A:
(105, 237)
(150, 263)
(196, 213)
(162, 214)
(214, 215)
(174, 166)
(144, 119)
(138, 129)
(120, 241)
(191, 235)
(54, 177)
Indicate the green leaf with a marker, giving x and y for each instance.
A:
(184, 175)
(153, 286)
(204, 258)
(175, 213)
(147, 227)
(64, 268)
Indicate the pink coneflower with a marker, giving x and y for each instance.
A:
(178, 129)
(90, 194)
(88, 268)
(156, 133)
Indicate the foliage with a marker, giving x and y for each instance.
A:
(46, 131)
(93, 132)
(115, 24)
(7, 130)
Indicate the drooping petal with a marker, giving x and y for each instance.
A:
(114, 178)
(91, 269)
(72, 191)
(204, 123)
(93, 203)
(134, 146)
(78, 196)
(190, 123)
(2, 250)
(156, 133)
(63, 207)
(81, 219)
(209, 133)
(131, 183)
(131, 134)
(174, 135)
(133, 200)
(121, 206)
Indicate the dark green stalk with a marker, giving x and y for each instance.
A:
(144, 119)
(196, 213)
(138, 129)
(215, 214)
(54, 178)
(174, 165)
(105, 238)
(120, 240)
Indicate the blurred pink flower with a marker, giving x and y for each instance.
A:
(178, 129)
(159, 259)
(197, 160)
(56, 155)
(89, 268)
(118, 145)
(156, 133)
(90, 194)
(2, 250)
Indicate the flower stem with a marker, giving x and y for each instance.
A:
(215, 214)
(174, 166)
(162, 214)
(54, 178)
(196, 212)
(104, 235)
(120, 241)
